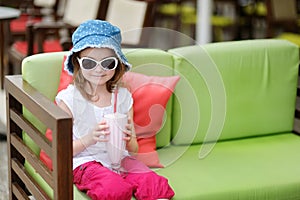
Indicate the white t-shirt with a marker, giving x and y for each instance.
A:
(86, 115)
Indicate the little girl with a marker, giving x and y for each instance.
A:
(97, 65)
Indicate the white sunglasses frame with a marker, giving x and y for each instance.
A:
(98, 63)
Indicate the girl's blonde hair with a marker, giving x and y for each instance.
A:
(80, 82)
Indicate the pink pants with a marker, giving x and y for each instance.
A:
(101, 183)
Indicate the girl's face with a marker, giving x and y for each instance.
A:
(97, 76)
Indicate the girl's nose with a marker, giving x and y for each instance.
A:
(99, 68)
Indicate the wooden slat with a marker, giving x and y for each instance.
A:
(19, 192)
(33, 132)
(62, 165)
(32, 159)
(32, 186)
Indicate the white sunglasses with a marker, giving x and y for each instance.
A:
(109, 63)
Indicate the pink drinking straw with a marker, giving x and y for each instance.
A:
(115, 99)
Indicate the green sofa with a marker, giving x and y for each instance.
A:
(228, 132)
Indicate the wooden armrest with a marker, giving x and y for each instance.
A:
(22, 95)
(51, 25)
(34, 12)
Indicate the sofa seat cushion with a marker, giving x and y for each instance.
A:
(255, 168)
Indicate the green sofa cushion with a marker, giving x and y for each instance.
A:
(265, 167)
(239, 89)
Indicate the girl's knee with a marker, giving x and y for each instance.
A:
(150, 186)
(105, 184)
(111, 190)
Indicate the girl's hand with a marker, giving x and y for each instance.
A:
(130, 137)
(128, 132)
(98, 134)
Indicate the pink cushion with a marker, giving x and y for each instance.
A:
(151, 95)
(43, 156)
(65, 79)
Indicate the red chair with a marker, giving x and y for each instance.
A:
(53, 36)
(32, 11)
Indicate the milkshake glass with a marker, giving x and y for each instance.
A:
(116, 143)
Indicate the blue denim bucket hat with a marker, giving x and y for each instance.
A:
(96, 34)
